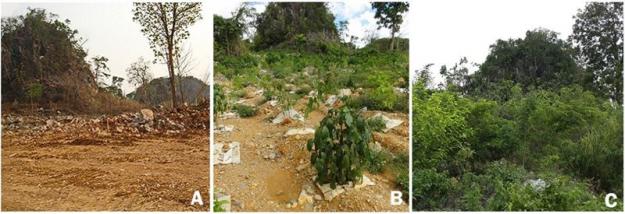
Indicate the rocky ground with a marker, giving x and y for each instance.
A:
(274, 172)
(152, 160)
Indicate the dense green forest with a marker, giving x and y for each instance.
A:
(537, 126)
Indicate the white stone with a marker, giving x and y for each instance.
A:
(304, 198)
(328, 192)
(331, 100)
(229, 115)
(537, 185)
(224, 128)
(365, 182)
(346, 92)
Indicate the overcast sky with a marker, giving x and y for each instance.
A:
(358, 14)
(449, 30)
(109, 31)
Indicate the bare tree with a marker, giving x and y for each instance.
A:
(184, 65)
(139, 75)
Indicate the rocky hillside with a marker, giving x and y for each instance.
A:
(157, 92)
(43, 62)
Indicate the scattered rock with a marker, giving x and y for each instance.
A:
(401, 90)
(301, 167)
(147, 114)
(537, 185)
(331, 100)
(328, 192)
(346, 92)
(229, 115)
(365, 182)
(305, 199)
(224, 128)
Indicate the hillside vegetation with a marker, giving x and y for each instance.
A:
(43, 64)
(289, 75)
(538, 125)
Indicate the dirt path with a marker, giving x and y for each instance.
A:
(61, 172)
(259, 183)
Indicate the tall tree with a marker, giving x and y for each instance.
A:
(390, 15)
(166, 25)
(598, 39)
(456, 77)
(229, 32)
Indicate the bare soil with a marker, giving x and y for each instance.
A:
(68, 169)
(261, 184)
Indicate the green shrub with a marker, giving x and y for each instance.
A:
(245, 110)
(377, 124)
(221, 101)
(377, 161)
(340, 147)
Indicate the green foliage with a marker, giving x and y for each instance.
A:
(340, 147)
(34, 91)
(166, 24)
(384, 93)
(598, 40)
(37, 48)
(221, 100)
(228, 32)
(287, 22)
(377, 161)
(376, 124)
(245, 110)
(390, 15)
(539, 61)
(383, 44)
(466, 151)
(218, 206)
